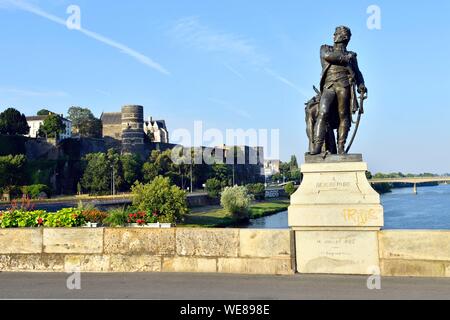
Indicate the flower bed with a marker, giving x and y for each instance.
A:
(142, 218)
(65, 218)
(73, 218)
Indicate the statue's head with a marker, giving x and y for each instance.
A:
(342, 35)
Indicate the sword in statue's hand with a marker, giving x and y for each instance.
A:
(363, 96)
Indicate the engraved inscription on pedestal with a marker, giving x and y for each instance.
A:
(337, 252)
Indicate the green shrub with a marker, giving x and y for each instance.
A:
(36, 190)
(64, 218)
(168, 201)
(236, 201)
(213, 187)
(29, 219)
(289, 188)
(257, 190)
(117, 217)
(8, 219)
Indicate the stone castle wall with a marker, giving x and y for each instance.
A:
(245, 251)
(112, 130)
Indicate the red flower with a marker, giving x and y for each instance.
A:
(130, 215)
(40, 221)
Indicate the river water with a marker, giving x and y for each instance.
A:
(429, 209)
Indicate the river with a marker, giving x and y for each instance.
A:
(429, 209)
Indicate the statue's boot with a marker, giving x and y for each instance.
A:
(311, 147)
(319, 136)
(316, 150)
(343, 131)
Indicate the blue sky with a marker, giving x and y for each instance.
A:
(237, 64)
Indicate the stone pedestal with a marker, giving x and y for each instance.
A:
(336, 216)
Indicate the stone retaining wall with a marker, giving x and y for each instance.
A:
(245, 251)
(147, 250)
(415, 253)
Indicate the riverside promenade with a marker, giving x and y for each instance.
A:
(197, 286)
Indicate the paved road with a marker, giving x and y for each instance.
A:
(215, 287)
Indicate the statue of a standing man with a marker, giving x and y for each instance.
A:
(340, 75)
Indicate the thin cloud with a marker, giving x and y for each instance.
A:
(233, 70)
(228, 106)
(33, 93)
(192, 33)
(286, 82)
(25, 6)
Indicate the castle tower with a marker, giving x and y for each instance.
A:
(132, 129)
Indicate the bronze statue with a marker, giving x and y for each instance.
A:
(311, 114)
(332, 108)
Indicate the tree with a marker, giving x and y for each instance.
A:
(52, 127)
(79, 115)
(101, 168)
(293, 163)
(84, 122)
(12, 122)
(285, 171)
(93, 128)
(223, 173)
(11, 170)
(131, 167)
(162, 198)
(257, 190)
(44, 112)
(115, 164)
(296, 176)
(213, 188)
(161, 164)
(97, 175)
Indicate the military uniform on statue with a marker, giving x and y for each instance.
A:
(338, 100)
(336, 213)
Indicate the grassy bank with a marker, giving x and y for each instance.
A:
(215, 216)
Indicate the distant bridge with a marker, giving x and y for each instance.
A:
(412, 180)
